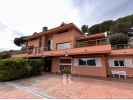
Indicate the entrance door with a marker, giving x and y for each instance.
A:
(65, 64)
(48, 64)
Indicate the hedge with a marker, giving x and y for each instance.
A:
(19, 68)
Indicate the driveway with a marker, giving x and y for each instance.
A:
(57, 86)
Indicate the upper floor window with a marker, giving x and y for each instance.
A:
(62, 46)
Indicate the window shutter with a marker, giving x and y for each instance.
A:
(75, 62)
(128, 62)
(98, 62)
(111, 62)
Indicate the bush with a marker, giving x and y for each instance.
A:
(37, 65)
(19, 68)
(118, 38)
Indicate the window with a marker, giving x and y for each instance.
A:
(91, 62)
(82, 62)
(87, 61)
(118, 63)
(61, 46)
(65, 60)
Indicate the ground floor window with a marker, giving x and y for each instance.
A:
(65, 60)
(87, 61)
(119, 63)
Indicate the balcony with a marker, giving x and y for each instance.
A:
(84, 43)
(121, 46)
(100, 49)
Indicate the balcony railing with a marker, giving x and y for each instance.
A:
(92, 42)
(36, 50)
(121, 46)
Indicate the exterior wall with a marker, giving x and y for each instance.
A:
(95, 71)
(34, 43)
(128, 65)
(75, 35)
(43, 42)
(55, 65)
(69, 36)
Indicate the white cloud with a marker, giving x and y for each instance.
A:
(28, 16)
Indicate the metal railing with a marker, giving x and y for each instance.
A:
(120, 46)
(36, 50)
(92, 42)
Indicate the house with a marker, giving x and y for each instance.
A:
(66, 47)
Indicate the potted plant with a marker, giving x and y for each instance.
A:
(67, 72)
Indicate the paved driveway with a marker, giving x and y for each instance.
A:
(55, 86)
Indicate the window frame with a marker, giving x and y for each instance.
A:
(57, 46)
(119, 63)
(86, 62)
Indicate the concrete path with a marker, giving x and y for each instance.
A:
(57, 86)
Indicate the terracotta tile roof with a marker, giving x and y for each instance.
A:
(101, 49)
(122, 52)
(94, 36)
(60, 28)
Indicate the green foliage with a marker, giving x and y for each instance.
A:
(82, 43)
(67, 71)
(10, 69)
(102, 27)
(37, 65)
(19, 68)
(118, 38)
(19, 41)
(84, 28)
(105, 26)
(4, 55)
(120, 25)
(94, 29)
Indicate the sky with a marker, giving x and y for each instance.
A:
(24, 17)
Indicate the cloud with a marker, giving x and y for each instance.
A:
(7, 36)
(96, 11)
(23, 17)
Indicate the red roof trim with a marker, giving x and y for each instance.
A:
(55, 30)
(94, 36)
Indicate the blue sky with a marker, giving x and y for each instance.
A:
(23, 17)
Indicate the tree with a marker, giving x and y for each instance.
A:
(94, 29)
(19, 41)
(120, 25)
(105, 26)
(84, 28)
(118, 38)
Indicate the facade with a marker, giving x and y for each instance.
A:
(66, 47)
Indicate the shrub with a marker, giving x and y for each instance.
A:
(37, 65)
(12, 69)
(19, 68)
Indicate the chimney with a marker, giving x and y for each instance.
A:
(45, 29)
(62, 24)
